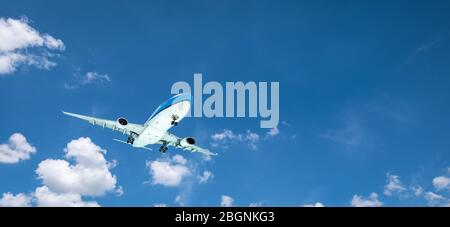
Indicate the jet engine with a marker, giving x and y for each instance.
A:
(122, 121)
(187, 142)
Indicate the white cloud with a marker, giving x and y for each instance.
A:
(441, 182)
(160, 205)
(53, 43)
(95, 77)
(65, 184)
(112, 164)
(207, 175)
(351, 134)
(86, 79)
(179, 159)
(417, 190)
(90, 175)
(119, 191)
(179, 200)
(46, 198)
(371, 201)
(249, 137)
(168, 172)
(434, 199)
(70, 87)
(19, 200)
(16, 38)
(273, 131)
(393, 185)
(318, 204)
(9, 62)
(207, 158)
(285, 123)
(226, 201)
(425, 47)
(17, 34)
(228, 134)
(252, 138)
(17, 149)
(257, 204)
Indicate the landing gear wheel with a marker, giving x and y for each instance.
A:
(174, 120)
(163, 149)
(130, 140)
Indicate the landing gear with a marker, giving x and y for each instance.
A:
(163, 149)
(130, 140)
(174, 120)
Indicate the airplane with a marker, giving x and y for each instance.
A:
(155, 129)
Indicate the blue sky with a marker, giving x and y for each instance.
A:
(364, 105)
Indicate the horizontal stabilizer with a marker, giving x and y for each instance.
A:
(121, 141)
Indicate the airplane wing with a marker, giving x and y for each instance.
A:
(172, 140)
(128, 129)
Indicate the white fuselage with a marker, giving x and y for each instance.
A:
(161, 121)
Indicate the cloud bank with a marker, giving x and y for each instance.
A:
(21, 44)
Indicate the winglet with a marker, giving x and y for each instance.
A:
(67, 113)
(70, 114)
(79, 116)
